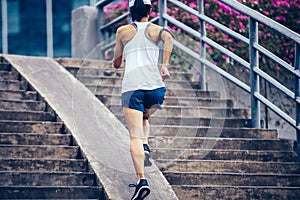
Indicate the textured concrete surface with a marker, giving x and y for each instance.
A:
(83, 42)
(103, 139)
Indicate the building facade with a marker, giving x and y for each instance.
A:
(38, 27)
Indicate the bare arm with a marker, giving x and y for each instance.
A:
(168, 46)
(118, 54)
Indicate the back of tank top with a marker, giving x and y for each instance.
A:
(141, 62)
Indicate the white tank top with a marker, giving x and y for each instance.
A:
(141, 62)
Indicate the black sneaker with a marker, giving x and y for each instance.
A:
(147, 151)
(141, 190)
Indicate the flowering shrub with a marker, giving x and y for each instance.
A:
(286, 12)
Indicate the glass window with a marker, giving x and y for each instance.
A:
(78, 3)
(1, 50)
(13, 8)
(62, 27)
(29, 38)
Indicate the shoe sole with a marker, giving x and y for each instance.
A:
(142, 193)
(147, 162)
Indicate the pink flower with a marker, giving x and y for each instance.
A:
(265, 12)
(192, 5)
(241, 26)
(153, 14)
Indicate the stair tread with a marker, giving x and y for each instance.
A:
(241, 186)
(45, 159)
(53, 192)
(227, 150)
(217, 138)
(187, 117)
(21, 101)
(227, 161)
(174, 97)
(30, 122)
(225, 154)
(34, 139)
(189, 107)
(232, 173)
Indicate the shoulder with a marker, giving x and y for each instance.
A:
(155, 27)
(123, 29)
(160, 30)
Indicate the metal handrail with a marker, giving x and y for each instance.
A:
(255, 49)
(263, 20)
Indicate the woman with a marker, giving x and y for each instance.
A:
(143, 87)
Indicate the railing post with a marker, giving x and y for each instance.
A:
(162, 10)
(254, 62)
(202, 77)
(100, 24)
(162, 22)
(129, 19)
(4, 27)
(297, 97)
(49, 18)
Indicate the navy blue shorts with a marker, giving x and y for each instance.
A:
(144, 99)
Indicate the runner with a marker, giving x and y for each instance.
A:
(143, 88)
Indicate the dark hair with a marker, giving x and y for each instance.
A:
(139, 10)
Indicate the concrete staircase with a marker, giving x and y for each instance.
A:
(39, 158)
(201, 143)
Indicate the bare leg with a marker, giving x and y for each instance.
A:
(134, 119)
(146, 125)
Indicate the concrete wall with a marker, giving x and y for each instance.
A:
(85, 33)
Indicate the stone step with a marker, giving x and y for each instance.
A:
(232, 179)
(218, 154)
(83, 63)
(171, 83)
(94, 71)
(43, 165)
(8, 75)
(22, 105)
(35, 139)
(194, 121)
(222, 132)
(47, 179)
(221, 166)
(90, 74)
(27, 116)
(52, 192)
(30, 127)
(111, 99)
(39, 151)
(186, 111)
(18, 95)
(177, 92)
(87, 64)
(197, 192)
(13, 85)
(220, 143)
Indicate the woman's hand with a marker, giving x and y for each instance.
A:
(164, 72)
